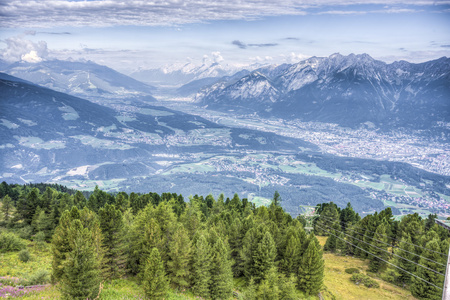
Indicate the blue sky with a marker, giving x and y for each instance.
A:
(131, 34)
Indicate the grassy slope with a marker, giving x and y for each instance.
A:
(338, 282)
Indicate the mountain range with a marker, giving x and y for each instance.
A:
(347, 90)
(47, 135)
(84, 79)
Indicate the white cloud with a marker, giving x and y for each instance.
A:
(217, 57)
(101, 13)
(18, 48)
(31, 57)
(294, 58)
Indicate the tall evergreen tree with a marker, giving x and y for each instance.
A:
(269, 288)
(328, 218)
(81, 276)
(310, 274)
(7, 206)
(406, 250)
(264, 257)
(155, 282)
(421, 289)
(221, 273)
(379, 248)
(180, 253)
(201, 267)
(292, 256)
(111, 224)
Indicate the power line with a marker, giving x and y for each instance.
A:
(383, 259)
(387, 236)
(396, 247)
(388, 252)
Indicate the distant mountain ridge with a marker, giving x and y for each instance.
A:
(83, 79)
(176, 75)
(48, 135)
(348, 90)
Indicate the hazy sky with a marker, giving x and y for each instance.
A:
(130, 34)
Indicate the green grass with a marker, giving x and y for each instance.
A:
(338, 284)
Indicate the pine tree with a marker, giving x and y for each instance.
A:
(155, 282)
(328, 218)
(341, 245)
(7, 206)
(379, 248)
(331, 243)
(310, 274)
(276, 199)
(421, 289)
(111, 224)
(61, 245)
(201, 261)
(264, 257)
(269, 289)
(406, 250)
(292, 256)
(81, 276)
(180, 253)
(221, 273)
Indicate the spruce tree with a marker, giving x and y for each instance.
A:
(180, 253)
(7, 206)
(269, 289)
(81, 276)
(155, 282)
(421, 289)
(221, 274)
(406, 250)
(310, 273)
(379, 248)
(111, 224)
(201, 267)
(264, 257)
(331, 243)
(292, 256)
(328, 218)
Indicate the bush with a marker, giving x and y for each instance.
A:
(25, 232)
(358, 278)
(39, 277)
(24, 255)
(10, 242)
(351, 270)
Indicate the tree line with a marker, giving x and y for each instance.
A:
(410, 252)
(202, 244)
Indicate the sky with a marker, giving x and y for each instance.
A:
(130, 34)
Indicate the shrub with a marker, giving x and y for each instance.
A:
(351, 270)
(24, 255)
(358, 278)
(10, 242)
(25, 232)
(39, 277)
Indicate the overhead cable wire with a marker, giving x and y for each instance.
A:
(383, 259)
(388, 252)
(389, 237)
(396, 247)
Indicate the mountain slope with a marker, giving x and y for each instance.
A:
(47, 135)
(83, 79)
(348, 90)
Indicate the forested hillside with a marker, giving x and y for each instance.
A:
(203, 245)
(411, 252)
(211, 248)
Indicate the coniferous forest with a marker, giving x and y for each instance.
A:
(214, 248)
